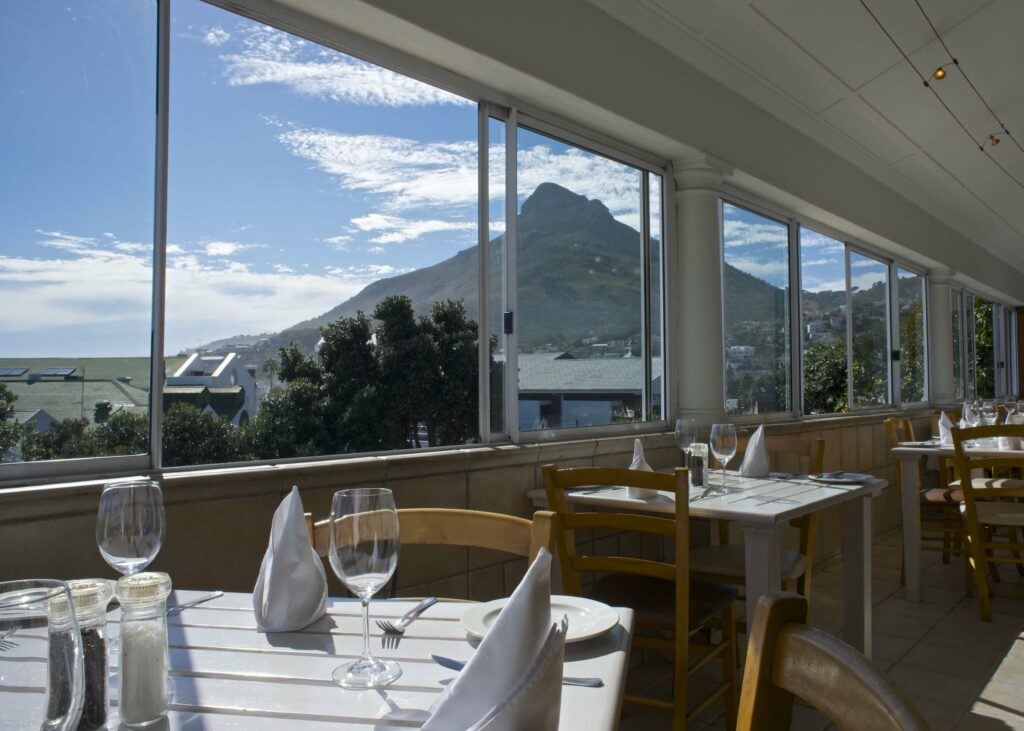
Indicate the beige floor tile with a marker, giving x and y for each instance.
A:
(937, 685)
(940, 716)
(957, 660)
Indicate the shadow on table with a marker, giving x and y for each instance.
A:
(314, 638)
(397, 713)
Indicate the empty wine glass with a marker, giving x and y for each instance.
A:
(989, 412)
(723, 445)
(686, 433)
(42, 651)
(970, 415)
(130, 524)
(364, 554)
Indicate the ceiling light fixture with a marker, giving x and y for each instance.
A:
(993, 139)
(940, 73)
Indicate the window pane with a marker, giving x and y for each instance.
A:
(912, 353)
(823, 322)
(869, 297)
(956, 302)
(657, 303)
(579, 263)
(323, 266)
(496, 258)
(78, 93)
(756, 298)
(984, 352)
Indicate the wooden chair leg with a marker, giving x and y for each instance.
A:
(980, 575)
(729, 662)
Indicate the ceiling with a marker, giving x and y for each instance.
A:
(827, 69)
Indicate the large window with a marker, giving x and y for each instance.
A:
(755, 283)
(78, 93)
(913, 360)
(956, 304)
(868, 286)
(823, 310)
(984, 357)
(347, 269)
(583, 286)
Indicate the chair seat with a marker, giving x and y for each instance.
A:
(983, 483)
(731, 561)
(998, 512)
(654, 600)
(942, 496)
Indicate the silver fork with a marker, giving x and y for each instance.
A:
(398, 628)
(5, 642)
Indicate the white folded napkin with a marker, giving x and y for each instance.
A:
(1009, 442)
(513, 680)
(945, 430)
(291, 591)
(755, 459)
(639, 463)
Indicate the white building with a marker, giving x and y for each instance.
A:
(216, 383)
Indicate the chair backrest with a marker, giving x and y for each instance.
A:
(986, 488)
(953, 414)
(786, 658)
(813, 450)
(454, 527)
(899, 429)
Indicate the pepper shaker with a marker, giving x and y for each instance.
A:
(90, 598)
(144, 666)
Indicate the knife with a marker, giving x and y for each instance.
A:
(447, 662)
(205, 598)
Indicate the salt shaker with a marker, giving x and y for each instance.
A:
(90, 598)
(698, 464)
(144, 667)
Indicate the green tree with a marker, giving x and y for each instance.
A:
(65, 439)
(912, 363)
(452, 402)
(10, 429)
(122, 433)
(984, 353)
(825, 377)
(195, 437)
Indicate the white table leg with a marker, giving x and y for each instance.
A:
(857, 573)
(910, 479)
(763, 563)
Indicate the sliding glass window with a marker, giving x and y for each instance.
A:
(755, 284)
(823, 311)
(78, 94)
(868, 288)
(910, 292)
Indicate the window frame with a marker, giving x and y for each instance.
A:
(897, 266)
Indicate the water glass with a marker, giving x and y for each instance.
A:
(723, 445)
(42, 653)
(989, 412)
(130, 524)
(364, 555)
(686, 433)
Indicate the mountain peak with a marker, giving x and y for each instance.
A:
(550, 202)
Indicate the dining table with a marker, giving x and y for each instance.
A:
(224, 674)
(763, 508)
(909, 456)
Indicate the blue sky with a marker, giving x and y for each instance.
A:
(297, 176)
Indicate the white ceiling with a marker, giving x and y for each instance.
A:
(825, 68)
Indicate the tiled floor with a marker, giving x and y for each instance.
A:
(960, 672)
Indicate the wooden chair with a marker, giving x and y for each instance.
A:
(726, 563)
(660, 593)
(787, 659)
(454, 527)
(990, 504)
(942, 526)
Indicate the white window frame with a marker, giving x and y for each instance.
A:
(897, 376)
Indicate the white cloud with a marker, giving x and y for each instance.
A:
(395, 230)
(376, 250)
(228, 248)
(370, 271)
(216, 36)
(270, 56)
(818, 262)
(743, 233)
(409, 174)
(174, 249)
(109, 235)
(132, 247)
(67, 242)
(775, 271)
(338, 242)
(813, 240)
(283, 269)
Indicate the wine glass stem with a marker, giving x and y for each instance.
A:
(366, 630)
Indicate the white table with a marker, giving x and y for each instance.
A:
(226, 675)
(763, 509)
(909, 455)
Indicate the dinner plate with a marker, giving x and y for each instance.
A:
(841, 478)
(587, 618)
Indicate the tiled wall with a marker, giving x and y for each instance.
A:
(218, 521)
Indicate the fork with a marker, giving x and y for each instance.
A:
(398, 628)
(5, 642)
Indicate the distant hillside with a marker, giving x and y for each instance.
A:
(578, 273)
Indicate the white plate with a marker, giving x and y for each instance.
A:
(587, 618)
(841, 478)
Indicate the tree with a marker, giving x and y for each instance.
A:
(195, 437)
(825, 377)
(452, 403)
(65, 439)
(122, 433)
(10, 430)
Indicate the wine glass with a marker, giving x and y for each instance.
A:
(970, 415)
(130, 524)
(723, 445)
(364, 554)
(686, 433)
(989, 412)
(42, 648)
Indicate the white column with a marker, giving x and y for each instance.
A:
(940, 338)
(700, 356)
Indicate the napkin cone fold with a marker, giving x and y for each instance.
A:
(640, 463)
(513, 680)
(755, 458)
(291, 591)
(945, 430)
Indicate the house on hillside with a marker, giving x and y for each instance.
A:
(216, 383)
